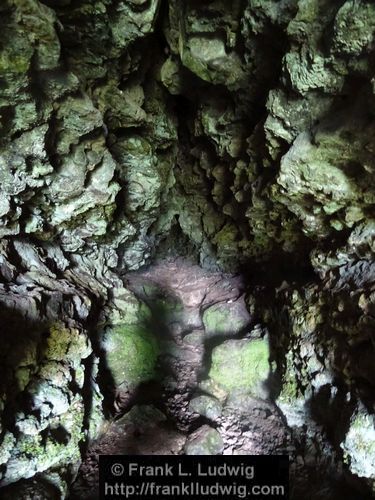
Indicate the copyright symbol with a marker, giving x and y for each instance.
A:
(117, 469)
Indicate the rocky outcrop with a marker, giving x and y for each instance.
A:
(240, 134)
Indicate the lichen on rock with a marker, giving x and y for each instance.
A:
(237, 134)
(242, 366)
(131, 354)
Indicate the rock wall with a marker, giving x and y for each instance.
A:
(240, 133)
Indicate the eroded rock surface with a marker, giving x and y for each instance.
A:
(239, 134)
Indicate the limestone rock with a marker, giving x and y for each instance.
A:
(131, 353)
(242, 366)
(225, 319)
(204, 441)
(206, 406)
(238, 134)
(358, 444)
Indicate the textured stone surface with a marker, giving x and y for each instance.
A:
(240, 134)
(206, 406)
(204, 441)
(242, 366)
(131, 353)
(358, 445)
(225, 319)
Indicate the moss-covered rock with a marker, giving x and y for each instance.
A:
(225, 319)
(206, 406)
(204, 441)
(131, 354)
(242, 366)
(67, 345)
(34, 453)
(240, 133)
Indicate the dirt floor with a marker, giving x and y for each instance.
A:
(177, 414)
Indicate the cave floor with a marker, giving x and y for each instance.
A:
(183, 411)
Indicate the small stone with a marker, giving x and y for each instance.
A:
(225, 319)
(204, 441)
(242, 366)
(206, 406)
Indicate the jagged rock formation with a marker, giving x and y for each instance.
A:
(240, 134)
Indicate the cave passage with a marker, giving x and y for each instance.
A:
(187, 238)
(195, 379)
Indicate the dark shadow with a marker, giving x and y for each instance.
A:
(121, 402)
(163, 306)
(20, 338)
(36, 487)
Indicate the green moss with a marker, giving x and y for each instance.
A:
(359, 445)
(132, 351)
(206, 406)
(307, 12)
(170, 75)
(31, 446)
(208, 441)
(292, 379)
(98, 217)
(166, 308)
(22, 377)
(45, 453)
(196, 66)
(289, 392)
(241, 365)
(215, 319)
(58, 342)
(66, 344)
(220, 319)
(227, 237)
(10, 63)
(359, 429)
(354, 27)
